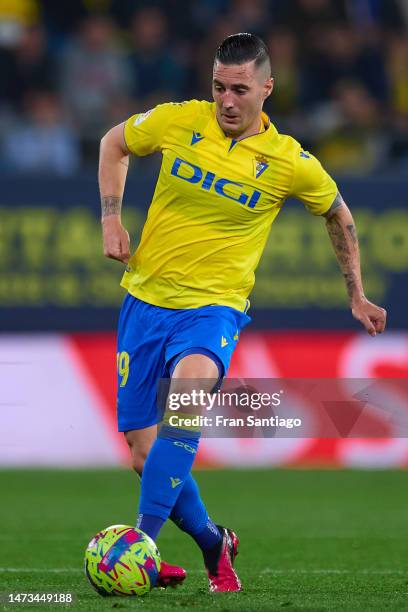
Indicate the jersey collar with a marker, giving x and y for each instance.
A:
(265, 122)
(266, 126)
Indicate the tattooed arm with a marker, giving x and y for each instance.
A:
(342, 232)
(113, 167)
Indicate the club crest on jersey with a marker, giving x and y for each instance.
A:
(260, 165)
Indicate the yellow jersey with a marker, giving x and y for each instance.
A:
(214, 203)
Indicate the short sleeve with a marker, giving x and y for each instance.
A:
(144, 132)
(312, 184)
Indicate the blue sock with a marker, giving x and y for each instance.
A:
(150, 524)
(191, 516)
(165, 471)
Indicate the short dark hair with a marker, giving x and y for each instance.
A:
(241, 48)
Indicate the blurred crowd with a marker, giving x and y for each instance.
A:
(71, 69)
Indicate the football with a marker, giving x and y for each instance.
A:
(122, 560)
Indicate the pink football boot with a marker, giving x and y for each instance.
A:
(222, 577)
(170, 575)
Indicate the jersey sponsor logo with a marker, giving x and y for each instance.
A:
(193, 174)
(196, 137)
(175, 482)
(260, 165)
(142, 117)
(224, 341)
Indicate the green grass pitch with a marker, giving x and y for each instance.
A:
(310, 540)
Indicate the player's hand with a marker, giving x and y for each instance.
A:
(372, 317)
(116, 242)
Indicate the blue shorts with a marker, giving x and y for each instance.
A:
(150, 342)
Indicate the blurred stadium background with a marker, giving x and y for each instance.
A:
(69, 71)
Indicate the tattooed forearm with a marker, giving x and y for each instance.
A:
(351, 284)
(344, 239)
(111, 205)
(352, 232)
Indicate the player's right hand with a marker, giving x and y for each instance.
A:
(116, 241)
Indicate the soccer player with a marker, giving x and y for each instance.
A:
(225, 175)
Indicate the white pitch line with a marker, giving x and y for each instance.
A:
(39, 570)
(42, 538)
(267, 570)
(382, 572)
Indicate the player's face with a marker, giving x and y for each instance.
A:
(239, 91)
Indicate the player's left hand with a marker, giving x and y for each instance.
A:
(372, 317)
(116, 241)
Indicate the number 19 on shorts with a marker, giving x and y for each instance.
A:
(123, 360)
